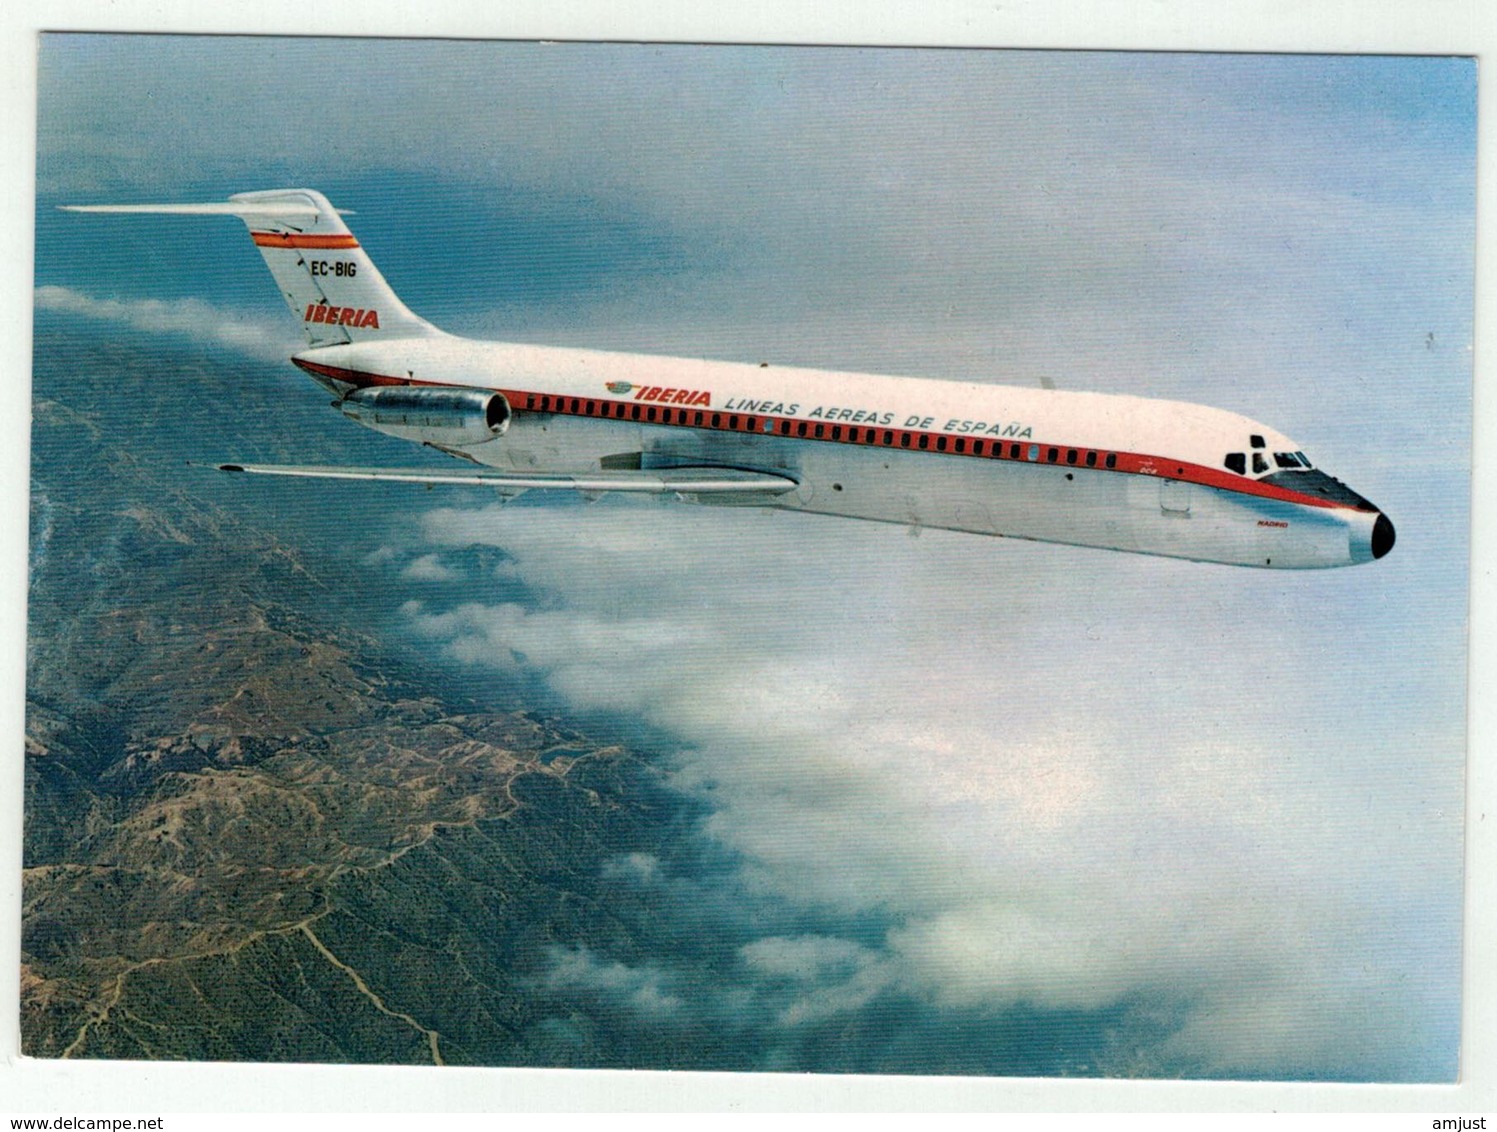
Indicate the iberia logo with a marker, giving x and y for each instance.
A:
(357, 317)
(659, 393)
(672, 396)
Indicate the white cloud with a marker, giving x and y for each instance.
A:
(191, 317)
(805, 958)
(640, 989)
(830, 976)
(643, 868)
(427, 568)
(1060, 802)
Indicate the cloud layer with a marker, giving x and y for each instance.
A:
(1037, 792)
(193, 318)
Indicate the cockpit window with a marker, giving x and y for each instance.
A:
(1256, 441)
(1236, 462)
(1290, 460)
(1260, 465)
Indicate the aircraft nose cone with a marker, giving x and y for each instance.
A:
(1382, 536)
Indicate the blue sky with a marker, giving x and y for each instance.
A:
(1065, 779)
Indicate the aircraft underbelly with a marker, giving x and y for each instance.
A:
(1041, 501)
(1069, 504)
(981, 496)
(1188, 520)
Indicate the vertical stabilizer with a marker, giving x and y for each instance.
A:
(331, 285)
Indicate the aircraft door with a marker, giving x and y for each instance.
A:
(1174, 497)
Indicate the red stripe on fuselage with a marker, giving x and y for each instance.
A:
(356, 377)
(295, 240)
(1128, 463)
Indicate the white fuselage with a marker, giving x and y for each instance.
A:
(1089, 469)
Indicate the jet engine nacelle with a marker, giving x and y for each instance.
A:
(447, 417)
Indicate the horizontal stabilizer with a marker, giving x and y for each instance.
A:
(653, 481)
(278, 209)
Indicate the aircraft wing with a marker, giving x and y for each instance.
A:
(650, 481)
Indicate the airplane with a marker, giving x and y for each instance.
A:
(1120, 472)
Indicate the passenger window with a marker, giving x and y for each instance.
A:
(836, 432)
(940, 444)
(924, 440)
(717, 420)
(820, 431)
(888, 438)
(1091, 459)
(961, 445)
(733, 422)
(1236, 462)
(1070, 455)
(1014, 450)
(1034, 452)
(1053, 455)
(634, 412)
(651, 413)
(904, 440)
(1112, 460)
(977, 448)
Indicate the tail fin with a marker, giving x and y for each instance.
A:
(331, 285)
